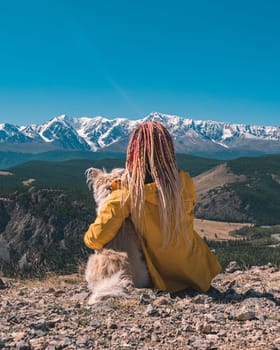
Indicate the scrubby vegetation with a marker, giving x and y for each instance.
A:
(253, 246)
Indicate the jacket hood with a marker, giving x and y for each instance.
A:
(151, 192)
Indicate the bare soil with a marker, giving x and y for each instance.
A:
(5, 173)
(27, 182)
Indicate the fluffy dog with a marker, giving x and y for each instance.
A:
(120, 263)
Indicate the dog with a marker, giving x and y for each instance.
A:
(120, 264)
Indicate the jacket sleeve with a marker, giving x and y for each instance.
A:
(108, 222)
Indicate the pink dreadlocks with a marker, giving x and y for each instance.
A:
(151, 155)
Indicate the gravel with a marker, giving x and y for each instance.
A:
(240, 311)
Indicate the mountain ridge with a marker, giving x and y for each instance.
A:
(199, 137)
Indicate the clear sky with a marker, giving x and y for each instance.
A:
(217, 60)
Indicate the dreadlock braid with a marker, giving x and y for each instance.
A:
(151, 153)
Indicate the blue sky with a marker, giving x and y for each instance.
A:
(201, 59)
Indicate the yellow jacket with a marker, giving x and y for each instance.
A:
(171, 268)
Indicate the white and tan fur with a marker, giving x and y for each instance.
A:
(120, 263)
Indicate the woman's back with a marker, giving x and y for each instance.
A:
(186, 262)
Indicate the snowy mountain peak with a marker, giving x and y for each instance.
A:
(190, 136)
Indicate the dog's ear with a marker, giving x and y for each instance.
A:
(91, 175)
(118, 172)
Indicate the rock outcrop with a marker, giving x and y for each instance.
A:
(42, 230)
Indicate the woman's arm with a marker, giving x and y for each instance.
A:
(108, 222)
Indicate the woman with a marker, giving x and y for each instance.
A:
(160, 200)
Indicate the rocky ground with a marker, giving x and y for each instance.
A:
(241, 311)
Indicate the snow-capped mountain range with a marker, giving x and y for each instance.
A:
(102, 134)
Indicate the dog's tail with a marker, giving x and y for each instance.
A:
(107, 274)
(113, 286)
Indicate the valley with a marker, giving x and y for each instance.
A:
(45, 208)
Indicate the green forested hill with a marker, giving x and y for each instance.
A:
(10, 159)
(65, 175)
(260, 192)
(256, 166)
(70, 174)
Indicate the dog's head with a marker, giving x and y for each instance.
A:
(100, 182)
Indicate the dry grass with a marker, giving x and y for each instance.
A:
(217, 230)
(50, 280)
(54, 281)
